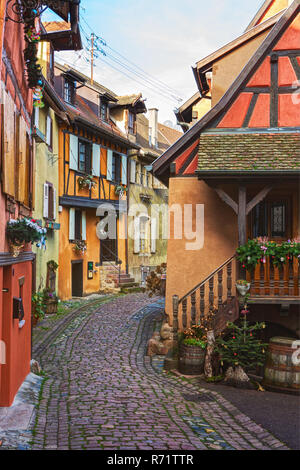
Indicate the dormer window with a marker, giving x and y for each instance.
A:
(103, 110)
(131, 122)
(69, 91)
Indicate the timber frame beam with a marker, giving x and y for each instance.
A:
(242, 209)
(256, 200)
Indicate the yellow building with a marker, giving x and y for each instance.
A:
(46, 123)
(148, 198)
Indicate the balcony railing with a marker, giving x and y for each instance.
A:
(268, 280)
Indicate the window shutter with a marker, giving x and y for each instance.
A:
(153, 234)
(72, 224)
(54, 203)
(36, 117)
(48, 130)
(96, 160)
(136, 248)
(46, 201)
(83, 226)
(109, 164)
(22, 170)
(124, 169)
(132, 171)
(9, 149)
(73, 157)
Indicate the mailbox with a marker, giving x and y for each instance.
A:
(90, 270)
(18, 309)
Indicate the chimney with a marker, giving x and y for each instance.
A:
(153, 127)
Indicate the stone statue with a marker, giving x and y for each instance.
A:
(160, 343)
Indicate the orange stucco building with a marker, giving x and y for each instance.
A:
(240, 164)
(93, 168)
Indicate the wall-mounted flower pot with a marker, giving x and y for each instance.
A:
(243, 289)
(15, 249)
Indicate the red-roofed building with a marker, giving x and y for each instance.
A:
(238, 167)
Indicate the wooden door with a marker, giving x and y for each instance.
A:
(77, 278)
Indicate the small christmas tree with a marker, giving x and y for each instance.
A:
(240, 349)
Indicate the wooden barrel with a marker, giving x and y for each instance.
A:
(282, 372)
(191, 360)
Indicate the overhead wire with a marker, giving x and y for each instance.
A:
(156, 84)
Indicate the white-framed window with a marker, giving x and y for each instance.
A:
(49, 131)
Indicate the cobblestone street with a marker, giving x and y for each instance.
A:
(101, 392)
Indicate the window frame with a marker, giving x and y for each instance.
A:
(50, 142)
(69, 90)
(116, 168)
(51, 201)
(131, 125)
(268, 203)
(103, 103)
(78, 225)
(88, 156)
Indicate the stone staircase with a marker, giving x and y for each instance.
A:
(127, 281)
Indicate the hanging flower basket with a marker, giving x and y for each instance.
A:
(242, 287)
(120, 190)
(80, 247)
(86, 182)
(24, 230)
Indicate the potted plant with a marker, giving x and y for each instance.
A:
(80, 247)
(192, 346)
(243, 287)
(86, 182)
(24, 230)
(120, 189)
(38, 307)
(50, 301)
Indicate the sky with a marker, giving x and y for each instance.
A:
(164, 38)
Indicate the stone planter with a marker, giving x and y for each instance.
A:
(191, 360)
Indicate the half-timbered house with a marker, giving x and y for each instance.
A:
(93, 167)
(240, 164)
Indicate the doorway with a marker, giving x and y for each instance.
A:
(77, 278)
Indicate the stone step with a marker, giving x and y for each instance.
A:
(127, 280)
(125, 285)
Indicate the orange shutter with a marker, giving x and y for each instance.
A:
(8, 148)
(22, 173)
